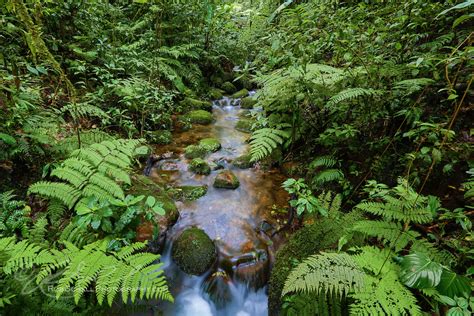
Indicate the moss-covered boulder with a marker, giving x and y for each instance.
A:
(199, 166)
(309, 240)
(210, 144)
(243, 162)
(248, 103)
(194, 252)
(228, 87)
(195, 151)
(244, 125)
(241, 94)
(160, 137)
(216, 94)
(226, 179)
(194, 104)
(199, 117)
(188, 192)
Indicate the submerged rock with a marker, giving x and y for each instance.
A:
(194, 252)
(193, 104)
(228, 87)
(210, 144)
(199, 166)
(195, 151)
(248, 103)
(240, 94)
(199, 117)
(188, 192)
(243, 162)
(217, 286)
(226, 180)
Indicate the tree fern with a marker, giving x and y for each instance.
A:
(351, 94)
(264, 141)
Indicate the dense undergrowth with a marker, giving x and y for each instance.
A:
(366, 104)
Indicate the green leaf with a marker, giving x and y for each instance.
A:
(150, 201)
(32, 70)
(7, 139)
(82, 209)
(452, 285)
(418, 271)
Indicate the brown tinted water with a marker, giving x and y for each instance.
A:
(230, 217)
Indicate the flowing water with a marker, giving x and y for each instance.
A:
(231, 218)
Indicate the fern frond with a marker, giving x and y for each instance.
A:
(331, 272)
(264, 141)
(62, 191)
(351, 94)
(328, 175)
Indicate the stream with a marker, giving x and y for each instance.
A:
(234, 219)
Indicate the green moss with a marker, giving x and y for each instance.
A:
(216, 94)
(188, 192)
(199, 166)
(244, 125)
(241, 94)
(160, 137)
(200, 117)
(194, 252)
(195, 151)
(226, 180)
(210, 144)
(228, 87)
(243, 162)
(309, 240)
(193, 104)
(248, 103)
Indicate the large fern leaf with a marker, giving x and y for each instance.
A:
(264, 141)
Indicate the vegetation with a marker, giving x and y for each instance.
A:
(370, 102)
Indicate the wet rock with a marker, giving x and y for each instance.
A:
(194, 252)
(243, 162)
(240, 94)
(169, 165)
(210, 144)
(228, 87)
(226, 180)
(248, 103)
(266, 228)
(252, 268)
(217, 286)
(188, 192)
(199, 117)
(195, 151)
(194, 104)
(216, 166)
(244, 125)
(216, 94)
(199, 166)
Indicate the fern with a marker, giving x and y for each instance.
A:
(350, 94)
(131, 274)
(264, 141)
(366, 277)
(331, 272)
(97, 170)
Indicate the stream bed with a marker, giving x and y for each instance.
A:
(236, 220)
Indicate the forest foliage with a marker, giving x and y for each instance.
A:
(371, 101)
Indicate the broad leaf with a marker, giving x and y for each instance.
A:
(418, 271)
